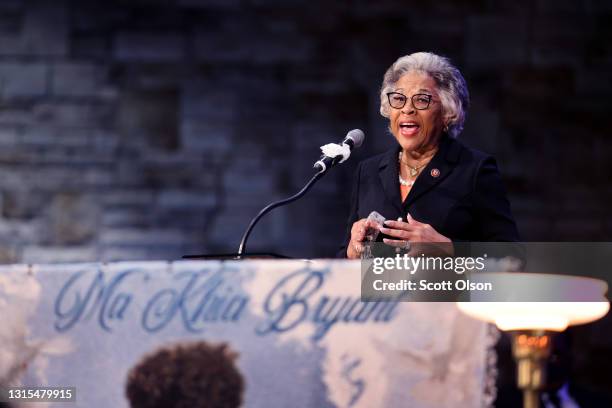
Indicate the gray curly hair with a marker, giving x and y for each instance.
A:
(452, 88)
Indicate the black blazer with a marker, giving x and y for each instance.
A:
(459, 193)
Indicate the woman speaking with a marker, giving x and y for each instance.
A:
(430, 188)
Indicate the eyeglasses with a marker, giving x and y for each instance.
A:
(419, 101)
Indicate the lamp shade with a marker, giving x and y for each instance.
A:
(578, 300)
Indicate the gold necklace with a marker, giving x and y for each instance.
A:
(414, 170)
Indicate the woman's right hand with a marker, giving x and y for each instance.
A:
(358, 233)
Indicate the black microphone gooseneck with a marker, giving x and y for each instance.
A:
(353, 139)
(272, 206)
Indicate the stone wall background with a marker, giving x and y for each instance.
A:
(152, 129)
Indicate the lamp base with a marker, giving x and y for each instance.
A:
(531, 350)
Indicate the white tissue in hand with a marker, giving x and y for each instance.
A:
(335, 149)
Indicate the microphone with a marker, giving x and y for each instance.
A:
(337, 153)
(341, 152)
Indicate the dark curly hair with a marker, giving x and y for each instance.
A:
(186, 376)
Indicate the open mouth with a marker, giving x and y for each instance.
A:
(408, 128)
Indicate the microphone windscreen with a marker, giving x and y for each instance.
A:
(357, 136)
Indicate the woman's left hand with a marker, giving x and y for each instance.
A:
(412, 233)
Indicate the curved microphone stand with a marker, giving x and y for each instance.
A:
(272, 206)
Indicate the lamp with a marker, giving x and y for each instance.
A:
(574, 300)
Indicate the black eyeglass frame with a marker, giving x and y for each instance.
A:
(412, 100)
